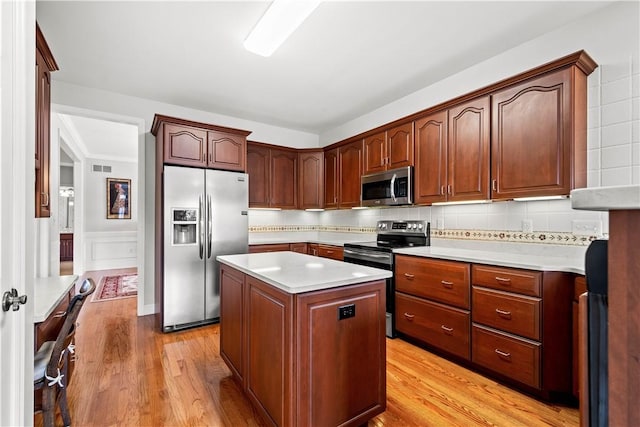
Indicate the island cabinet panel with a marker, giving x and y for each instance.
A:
(435, 324)
(311, 180)
(226, 151)
(430, 176)
(442, 281)
(539, 136)
(331, 180)
(232, 320)
(331, 360)
(350, 170)
(185, 146)
(269, 351)
(468, 151)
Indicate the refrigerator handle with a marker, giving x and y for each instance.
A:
(209, 226)
(200, 210)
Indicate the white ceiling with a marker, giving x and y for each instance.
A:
(348, 58)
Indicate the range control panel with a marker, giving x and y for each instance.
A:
(415, 227)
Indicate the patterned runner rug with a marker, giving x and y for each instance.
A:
(114, 287)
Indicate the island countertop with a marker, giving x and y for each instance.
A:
(297, 273)
(47, 294)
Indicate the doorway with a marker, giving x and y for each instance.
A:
(66, 212)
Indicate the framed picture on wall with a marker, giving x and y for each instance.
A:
(118, 198)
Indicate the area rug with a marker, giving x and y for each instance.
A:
(115, 287)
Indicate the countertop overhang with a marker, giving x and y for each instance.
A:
(47, 294)
(621, 197)
(297, 273)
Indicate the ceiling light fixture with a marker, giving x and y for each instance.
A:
(277, 23)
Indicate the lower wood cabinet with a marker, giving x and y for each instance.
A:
(330, 251)
(296, 361)
(272, 247)
(298, 247)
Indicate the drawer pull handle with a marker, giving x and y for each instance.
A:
(409, 276)
(503, 279)
(446, 284)
(409, 316)
(59, 314)
(502, 313)
(503, 354)
(448, 331)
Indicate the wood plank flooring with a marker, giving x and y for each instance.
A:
(129, 374)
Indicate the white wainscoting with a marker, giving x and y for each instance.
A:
(108, 250)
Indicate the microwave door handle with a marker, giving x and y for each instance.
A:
(393, 187)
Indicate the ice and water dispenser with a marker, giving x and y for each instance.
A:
(185, 226)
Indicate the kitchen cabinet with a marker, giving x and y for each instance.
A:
(350, 169)
(311, 180)
(538, 145)
(271, 247)
(188, 143)
(330, 251)
(289, 385)
(331, 180)
(66, 246)
(522, 327)
(312, 249)
(389, 149)
(580, 287)
(45, 64)
(298, 247)
(272, 177)
(452, 154)
(432, 303)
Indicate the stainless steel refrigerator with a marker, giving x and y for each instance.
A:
(205, 215)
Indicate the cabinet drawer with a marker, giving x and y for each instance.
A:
(513, 313)
(48, 330)
(334, 252)
(275, 247)
(508, 279)
(443, 281)
(510, 356)
(444, 327)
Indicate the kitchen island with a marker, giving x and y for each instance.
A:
(305, 337)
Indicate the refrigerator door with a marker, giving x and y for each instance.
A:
(184, 275)
(228, 233)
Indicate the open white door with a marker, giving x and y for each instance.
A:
(17, 130)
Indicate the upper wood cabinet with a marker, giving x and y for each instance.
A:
(272, 177)
(45, 64)
(538, 145)
(331, 180)
(310, 180)
(350, 169)
(452, 154)
(468, 151)
(430, 177)
(187, 143)
(390, 149)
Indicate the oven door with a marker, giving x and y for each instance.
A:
(383, 261)
(390, 188)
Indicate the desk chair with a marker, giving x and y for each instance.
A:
(51, 362)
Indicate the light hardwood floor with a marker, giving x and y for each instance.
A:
(129, 374)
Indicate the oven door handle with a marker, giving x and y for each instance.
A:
(348, 251)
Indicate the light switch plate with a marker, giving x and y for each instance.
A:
(584, 227)
(527, 226)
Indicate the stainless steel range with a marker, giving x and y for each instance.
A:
(379, 254)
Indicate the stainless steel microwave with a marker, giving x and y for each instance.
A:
(389, 188)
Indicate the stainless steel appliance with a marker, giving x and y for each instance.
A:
(205, 215)
(379, 254)
(389, 188)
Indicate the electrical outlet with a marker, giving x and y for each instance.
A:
(346, 311)
(584, 227)
(527, 226)
(439, 224)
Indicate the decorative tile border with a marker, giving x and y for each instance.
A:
(541, 237)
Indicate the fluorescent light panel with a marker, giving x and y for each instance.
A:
(531, 199)
(279, 21)
(463, 202)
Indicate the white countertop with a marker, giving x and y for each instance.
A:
(622, 197)
(529, 261)
(47, 294)
(297, 273)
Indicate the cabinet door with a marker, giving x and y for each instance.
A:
(43, 114)
(284, 179)
(259, 177)
(66, 247)
(231, 320)
(430, 176)
(185, 145)
(310, 180)
(400, 146)
(468, 151)
(375, 153)
(531, 138)
(300, 248)
(226, 151)
(312, 249)
(331, 179)
(350, 171)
